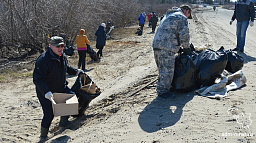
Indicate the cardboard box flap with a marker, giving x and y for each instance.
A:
(66, 104)
(62, 97)
(72, 100)
(90, 88)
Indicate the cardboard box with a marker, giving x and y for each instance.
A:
(65, 104)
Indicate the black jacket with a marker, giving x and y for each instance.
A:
(154, 19)
(244, 11)
(101, 36)
(50, 72)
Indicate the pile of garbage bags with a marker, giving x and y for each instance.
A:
(200, 69)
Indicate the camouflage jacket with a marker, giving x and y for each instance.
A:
(173, 32)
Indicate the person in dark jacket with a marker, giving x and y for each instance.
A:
(149, 16)
(101, 39)
(153, 20)
(108, 26)
(244, 14)
(49, 77)
(162, 17)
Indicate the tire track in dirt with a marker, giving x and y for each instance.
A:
(211, 29)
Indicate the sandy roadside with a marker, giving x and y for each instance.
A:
(119, 116)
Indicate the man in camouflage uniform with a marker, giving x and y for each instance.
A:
(172, 33)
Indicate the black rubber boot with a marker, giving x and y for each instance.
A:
(43, 136)
(64, 123)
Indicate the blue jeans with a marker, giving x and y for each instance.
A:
(241, 28)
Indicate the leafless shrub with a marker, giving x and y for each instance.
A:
(29, 23)
(26, 25)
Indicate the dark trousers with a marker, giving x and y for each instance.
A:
(99, 53)
(153, 27)
(82, 58)
(141, 26)
(47, 107)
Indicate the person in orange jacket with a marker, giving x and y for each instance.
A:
(81, 42)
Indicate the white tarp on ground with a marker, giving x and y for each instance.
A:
(228, 82)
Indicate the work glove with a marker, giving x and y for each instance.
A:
(79, 71)
(231, 21)
(251, 23)
(49, 95)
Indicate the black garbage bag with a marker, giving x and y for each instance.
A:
(84, 97)
(69, 50)
(235, 62)
(194, 52)
(184, 73)
(191, 51)
(210, 64)
(139, 32)
(92, 53)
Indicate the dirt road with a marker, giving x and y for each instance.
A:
(128, 109)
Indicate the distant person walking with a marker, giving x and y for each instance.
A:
(244, 13)
(214, 7)
(141, 21)
(101, 39)
(149, 16)
(81, 42)
(162, 17)
(153, 20)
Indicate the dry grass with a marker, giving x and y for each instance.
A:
(10, 75)
(120, 33)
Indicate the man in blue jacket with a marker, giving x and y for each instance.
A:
(49, 77)
(141, 21)
(244, 14)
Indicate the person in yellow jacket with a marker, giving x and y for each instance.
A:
(81, 42)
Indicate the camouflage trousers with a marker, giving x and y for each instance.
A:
(165, 62)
